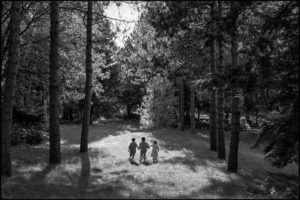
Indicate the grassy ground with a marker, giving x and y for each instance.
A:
(186, 168)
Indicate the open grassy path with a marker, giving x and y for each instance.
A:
(186, 168)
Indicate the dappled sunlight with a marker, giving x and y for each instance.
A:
(203, 135)
(31, 168)
(186, 168)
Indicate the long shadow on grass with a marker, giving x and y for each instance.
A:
(67, 182)
(231, 189)
(85, 175)
(195, 148)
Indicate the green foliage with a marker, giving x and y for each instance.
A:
(33, 71)
(159, 104)
(281, 138)
(32, 136)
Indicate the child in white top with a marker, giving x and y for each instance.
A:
(155, 150)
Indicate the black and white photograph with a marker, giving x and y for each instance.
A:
(150, 99)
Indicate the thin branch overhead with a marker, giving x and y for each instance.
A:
(98, 14)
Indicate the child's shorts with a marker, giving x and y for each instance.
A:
(132, 153)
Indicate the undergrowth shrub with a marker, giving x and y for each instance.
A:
(158, 108)
(33, 135)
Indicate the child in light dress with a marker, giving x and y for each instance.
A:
(132, 149)
(155, 150)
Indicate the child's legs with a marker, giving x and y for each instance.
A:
(141, 156)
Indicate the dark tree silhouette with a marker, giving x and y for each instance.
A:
(220, 135)
(192, 118)
(88, 83)
(181, 105)
(9, 88)
(54, 153)
(235, 120)
(213, 108)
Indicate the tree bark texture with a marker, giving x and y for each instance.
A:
(182, 103)
(54, 153)
(235, 110)
(9, 88)
(213, 108)
(88, 83)
(192, 118)
(179, 102)
(186, 105)
(220, 135)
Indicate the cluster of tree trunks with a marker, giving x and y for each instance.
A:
(187, 104)
(10, 84)
(217, 140)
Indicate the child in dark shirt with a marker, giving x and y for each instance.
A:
(143, 146)
(132, 149)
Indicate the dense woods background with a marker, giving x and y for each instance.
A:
(199, 65)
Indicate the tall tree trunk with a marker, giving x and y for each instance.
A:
(235, 120)
(91, 114)
(198, 108)
(256, 119)
(88, 83)
(186, 106)
(128, 111)
(181, 110)
(213, 108)
(54, 153)
(221, 141)
(192, 109)
(9, 88)
(92, 107)
(179, 102)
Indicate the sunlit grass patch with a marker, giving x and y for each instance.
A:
(186, 168)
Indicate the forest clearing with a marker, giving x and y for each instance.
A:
(186, 168)
(207, 90)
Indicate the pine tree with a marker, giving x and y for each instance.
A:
(9, 88)
(88, 83)
(220, 135)
(54, 153)
(181, 106)
(192, 118)
(235, 110)
(213, 108)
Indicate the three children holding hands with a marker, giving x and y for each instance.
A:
(143, 146)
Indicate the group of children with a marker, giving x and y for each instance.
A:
(143, 146)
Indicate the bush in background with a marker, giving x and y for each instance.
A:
(159, 104)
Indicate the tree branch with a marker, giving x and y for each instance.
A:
(35, 17)
(98, 14)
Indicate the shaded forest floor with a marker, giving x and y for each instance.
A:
(186, 168)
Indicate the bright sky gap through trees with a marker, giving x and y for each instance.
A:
(123, 11)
